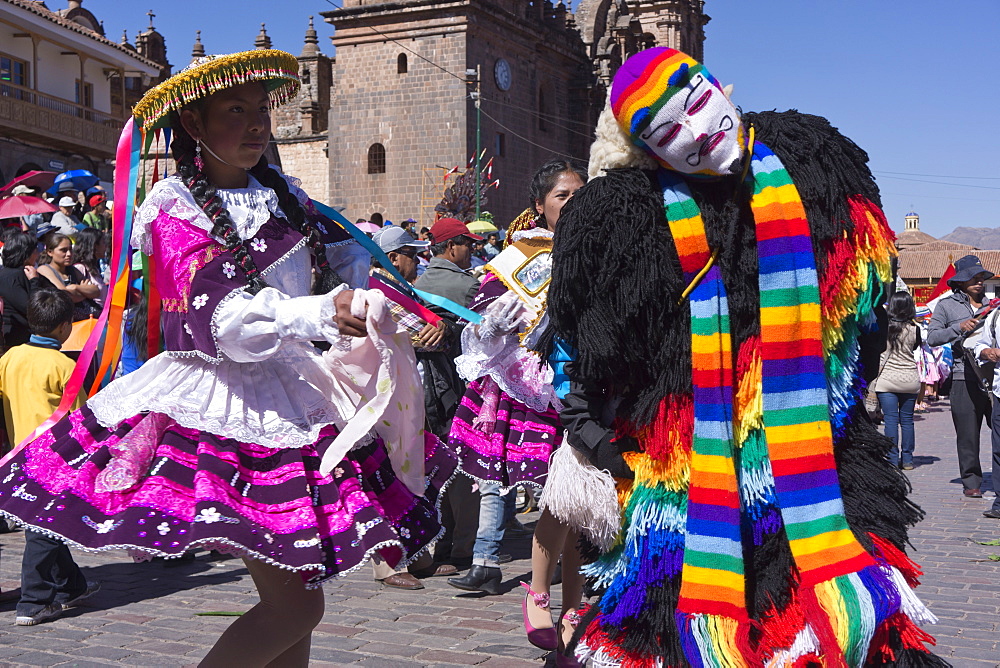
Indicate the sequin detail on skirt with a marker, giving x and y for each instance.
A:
(517, 450)
(209, 492)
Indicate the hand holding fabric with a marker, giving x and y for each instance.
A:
(347, 321)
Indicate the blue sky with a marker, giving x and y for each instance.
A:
(906, 80)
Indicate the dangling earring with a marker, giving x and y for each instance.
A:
(198, 162)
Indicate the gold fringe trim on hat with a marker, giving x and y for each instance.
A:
(278, 70)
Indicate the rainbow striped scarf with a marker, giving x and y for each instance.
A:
(793, 410)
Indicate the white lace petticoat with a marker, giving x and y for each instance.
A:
(280, 402)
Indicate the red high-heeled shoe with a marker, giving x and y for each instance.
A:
(547, 639)
(564, 660)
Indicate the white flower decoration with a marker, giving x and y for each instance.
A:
(321, 227)
(259, 245)
(268, 537)
(199, 301)
(208, 516)
(187, 329)
(229, 269)
(105, 526)
(164, 528)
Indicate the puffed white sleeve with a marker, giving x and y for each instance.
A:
(251, 328)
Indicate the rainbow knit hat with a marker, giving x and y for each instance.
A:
(646, 81)
(644, 84)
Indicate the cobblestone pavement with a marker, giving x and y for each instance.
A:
(146, 614)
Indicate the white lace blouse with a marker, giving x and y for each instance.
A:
(272, 386)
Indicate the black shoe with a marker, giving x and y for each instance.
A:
(91, 589)
(992, 513)
(479, 578)
(505, 558)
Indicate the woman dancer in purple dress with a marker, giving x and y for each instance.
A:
(229, 438)
(507, 424)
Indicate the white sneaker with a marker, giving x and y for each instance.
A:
(50, 611)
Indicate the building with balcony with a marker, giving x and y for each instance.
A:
(66, 89)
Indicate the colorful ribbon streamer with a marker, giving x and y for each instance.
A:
(383, 259)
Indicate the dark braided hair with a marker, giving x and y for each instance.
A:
(183, 148)
(326, 278)
(206, 197)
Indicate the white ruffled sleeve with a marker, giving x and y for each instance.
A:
(252, 328)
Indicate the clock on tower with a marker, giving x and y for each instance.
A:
(502, 74)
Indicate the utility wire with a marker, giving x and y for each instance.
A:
(541, 116)
(943, 176)
(523, 138)
(923, 196)
(403, 46)
(496, 102)
(939, 183)
(421, 57)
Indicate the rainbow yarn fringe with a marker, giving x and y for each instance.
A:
(751, 453)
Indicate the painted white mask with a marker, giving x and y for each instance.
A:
(672, 106)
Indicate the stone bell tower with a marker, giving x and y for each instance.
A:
(300, 126)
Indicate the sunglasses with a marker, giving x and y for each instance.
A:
(408, 251)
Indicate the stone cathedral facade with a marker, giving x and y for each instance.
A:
(401, 113)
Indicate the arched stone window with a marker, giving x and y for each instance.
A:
(401, 64)
(376, 159)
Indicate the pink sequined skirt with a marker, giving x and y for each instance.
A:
(202, 491)
(513, 448)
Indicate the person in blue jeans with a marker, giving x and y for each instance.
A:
(898, 381)
(496, 506)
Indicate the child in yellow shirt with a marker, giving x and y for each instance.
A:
(33, 377)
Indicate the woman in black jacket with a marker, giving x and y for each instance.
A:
(19, 256)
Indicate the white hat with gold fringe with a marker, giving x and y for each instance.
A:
(277, 70)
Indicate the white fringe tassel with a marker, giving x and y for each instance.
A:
(805, 642)
(912, 606)
(582, 496)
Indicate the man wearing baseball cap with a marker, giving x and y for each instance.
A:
(401, 248)
(448, 275)
(98, 217)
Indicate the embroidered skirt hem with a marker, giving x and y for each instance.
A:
(203, 491)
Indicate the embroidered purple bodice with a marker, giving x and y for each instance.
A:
(194, 274)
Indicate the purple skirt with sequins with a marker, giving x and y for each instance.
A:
(202, 491)
(517, 448)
